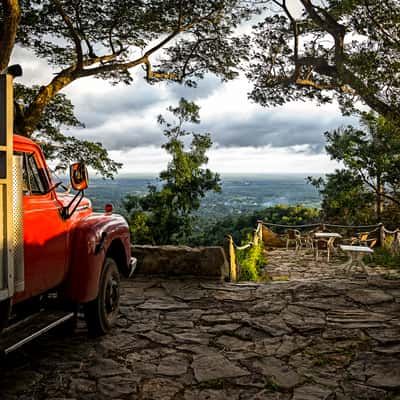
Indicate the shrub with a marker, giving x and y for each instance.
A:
(251, 260)
(382, 256)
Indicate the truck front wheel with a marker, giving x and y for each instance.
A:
(101, 313)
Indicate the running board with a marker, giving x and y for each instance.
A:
(30, 328)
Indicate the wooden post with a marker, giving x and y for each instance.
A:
(260, 230)
(232, 260)
(382, 234)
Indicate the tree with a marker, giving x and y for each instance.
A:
(372, 154)
(109, 39)
(164, 215)
(345, 199)
(343, 49)
(57, 116)
(371, 157)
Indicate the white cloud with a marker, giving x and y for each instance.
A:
(247, 137)
(151, 159)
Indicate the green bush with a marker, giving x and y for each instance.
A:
(383, 257)
(251, 260)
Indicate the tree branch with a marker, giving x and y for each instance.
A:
(74, 34)
(347, 77)
(388, 36)
(375, 189)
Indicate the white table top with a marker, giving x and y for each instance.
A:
(327, 235)
(359, 249)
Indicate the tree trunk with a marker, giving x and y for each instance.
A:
(8, 31)
(27, 120)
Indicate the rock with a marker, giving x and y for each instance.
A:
(278, 372)
(311, 392)
(79, 386)
(385, 335)
(116, 387)
(267, 394)
(269, 306)
(221, 328)
(271, 324)
(355, 319)
(158, 337)
(385, 376)
(210, 367)
(303, 319)
(193, 337)
(325, 336)
(356, 391)
(209, 262)
(218, 318)
(160, 389)
(233, 344)
(210, 394)
(173, 365)
(162, 304)
(242, 295)
(393, 349)
(369, 296)
(106, 367)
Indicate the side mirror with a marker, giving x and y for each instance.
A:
(79, 176)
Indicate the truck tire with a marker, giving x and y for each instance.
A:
(102, 312)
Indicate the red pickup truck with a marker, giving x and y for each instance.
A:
(57, 256)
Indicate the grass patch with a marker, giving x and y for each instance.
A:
(251, 261)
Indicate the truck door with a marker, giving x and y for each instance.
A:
(45, 232)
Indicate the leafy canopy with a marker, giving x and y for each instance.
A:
(370, 180)
(164, 215)
(58, 116)
(177, 40)
(343, 49)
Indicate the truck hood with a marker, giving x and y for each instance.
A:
(66, 198)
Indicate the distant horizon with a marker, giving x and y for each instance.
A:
(222, 174)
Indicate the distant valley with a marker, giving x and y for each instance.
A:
(240, 193)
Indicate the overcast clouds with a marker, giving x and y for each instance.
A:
(246, 136)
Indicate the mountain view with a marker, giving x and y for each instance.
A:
(239, 194)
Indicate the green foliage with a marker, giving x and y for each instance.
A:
(345, 199)
(164, 215)
(383, 257)
(250, 261)
(373, 153)
(370, 182)
(59, 115)
(346, 50)
(195, 36)
(107, 40)
(242, 225)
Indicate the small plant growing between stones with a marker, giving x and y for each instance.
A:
(271, 384)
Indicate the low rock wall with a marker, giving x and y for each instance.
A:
(206, 262)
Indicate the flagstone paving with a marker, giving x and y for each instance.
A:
(313, 333)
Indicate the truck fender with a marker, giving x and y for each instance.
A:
(93, 240)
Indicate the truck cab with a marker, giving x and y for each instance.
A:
(54, 249)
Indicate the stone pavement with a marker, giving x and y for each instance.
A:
(313, 334)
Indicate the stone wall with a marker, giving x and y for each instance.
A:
(206, 262)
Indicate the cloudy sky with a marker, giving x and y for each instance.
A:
(247, 137)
